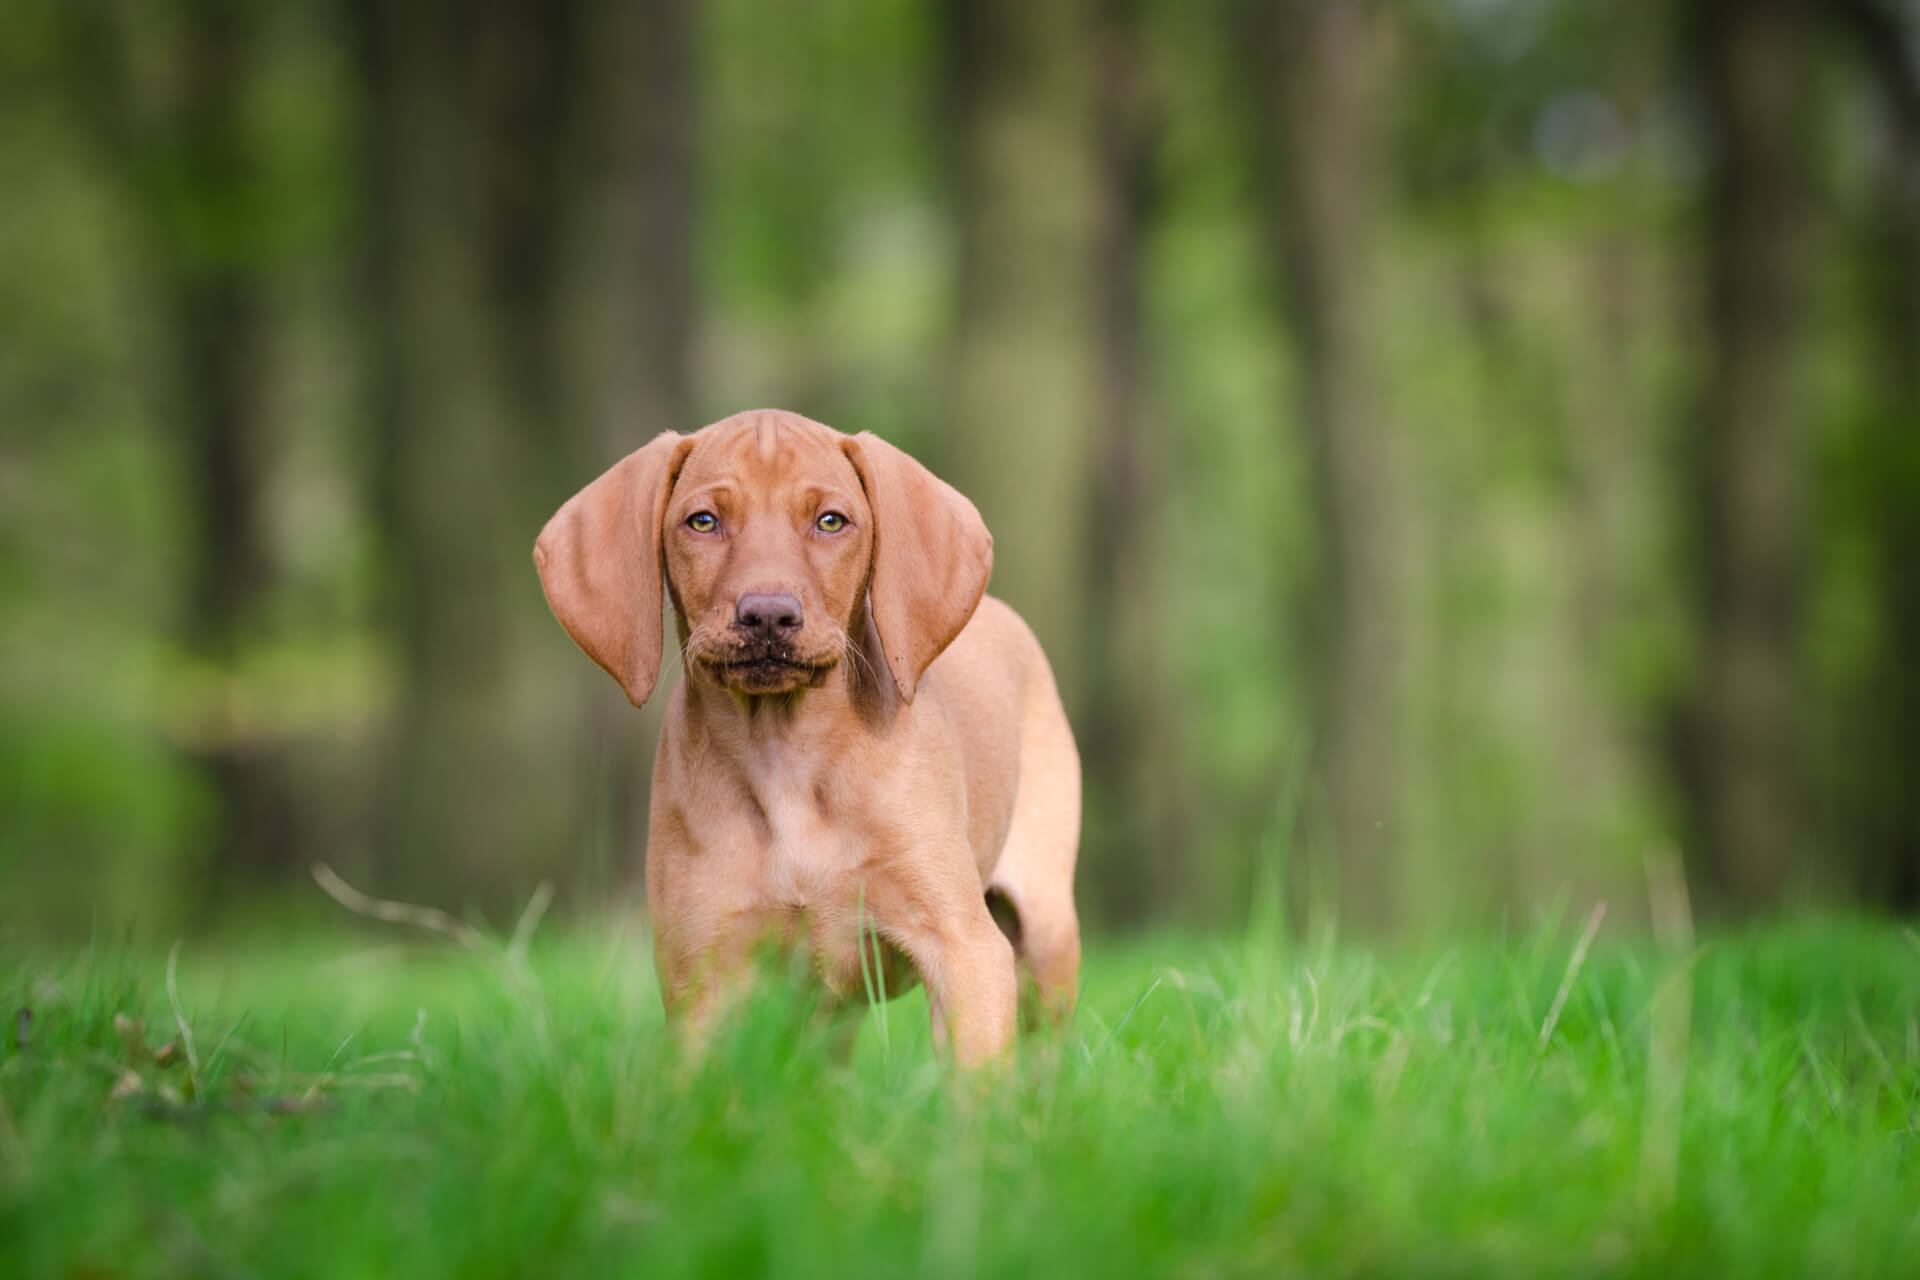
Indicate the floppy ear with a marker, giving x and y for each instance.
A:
(599, 562)
(931, 557)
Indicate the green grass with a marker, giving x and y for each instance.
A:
(1218, 1109)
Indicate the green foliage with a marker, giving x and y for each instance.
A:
(1249, 1107)
(1541, 260)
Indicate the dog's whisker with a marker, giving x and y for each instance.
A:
(845, 648)
(860, 658)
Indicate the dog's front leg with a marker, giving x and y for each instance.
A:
(926, 900)
(699, 983)
(972, 989)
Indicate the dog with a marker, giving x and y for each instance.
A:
(863, 744)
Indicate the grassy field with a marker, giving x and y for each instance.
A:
(1245, 1108)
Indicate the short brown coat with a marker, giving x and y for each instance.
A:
(900, 756)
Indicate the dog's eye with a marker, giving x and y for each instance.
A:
(703, 522)
(830, 522)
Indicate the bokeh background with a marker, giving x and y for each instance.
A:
(1453, 450)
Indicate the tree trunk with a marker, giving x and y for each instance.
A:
(1747, 466)
(443, 466)
(1312, 70)
(1894, 851)
(528, 83)
(1125, 727)
(530, 167)
(1019, 129)
(1888, 769)
(179, 141)
(636, 342)
(216, 315)
(1607, 435)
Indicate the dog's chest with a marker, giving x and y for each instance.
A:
(806, 859)
(809, 885)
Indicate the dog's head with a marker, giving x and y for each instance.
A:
(770, 532)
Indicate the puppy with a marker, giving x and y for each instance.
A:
(862, 744)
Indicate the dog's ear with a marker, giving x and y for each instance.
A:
(931, 557)
(600, 565)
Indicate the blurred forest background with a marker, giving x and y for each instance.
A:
(1449, 448)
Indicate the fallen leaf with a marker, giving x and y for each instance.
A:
(133, 1037)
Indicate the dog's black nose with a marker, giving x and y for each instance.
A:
(768, 616)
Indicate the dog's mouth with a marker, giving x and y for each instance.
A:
(766, 671)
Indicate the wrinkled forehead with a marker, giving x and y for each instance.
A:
(770, 458)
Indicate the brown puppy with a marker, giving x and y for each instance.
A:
(859, 734)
